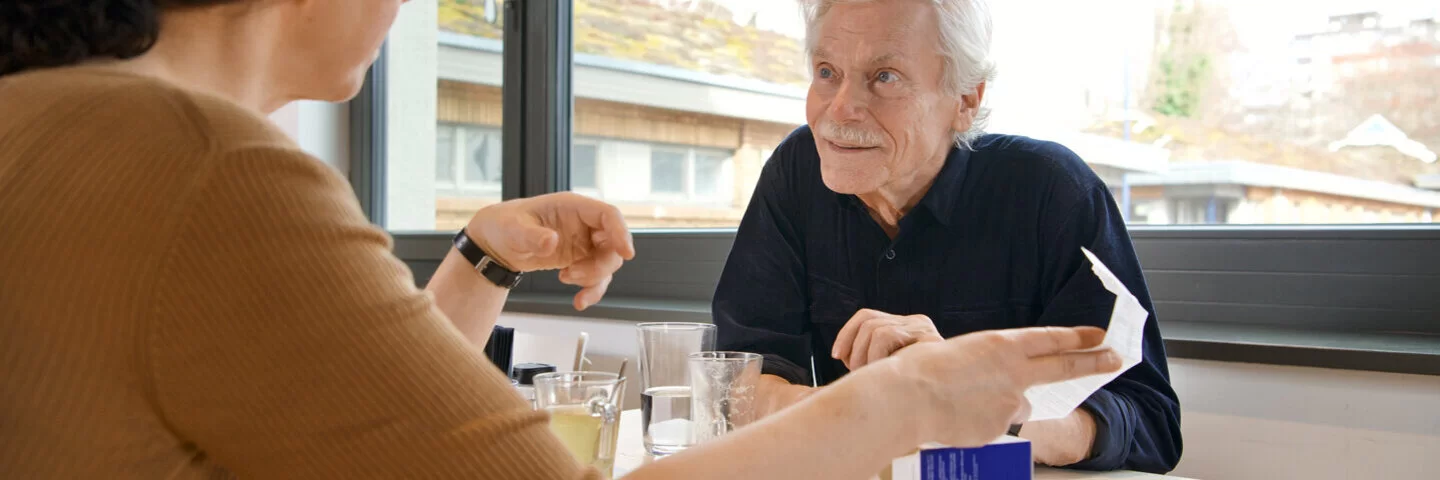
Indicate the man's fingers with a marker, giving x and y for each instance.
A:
(863, 339)
(1042, 341)
(846, 338)
(883, 343)
(591, 295)
(1066, 366)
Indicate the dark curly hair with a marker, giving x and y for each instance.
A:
(52, 33)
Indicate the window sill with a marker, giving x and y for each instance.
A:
(1392, 352)
(614, 308)
(1410, 353)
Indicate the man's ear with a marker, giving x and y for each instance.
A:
(968, 107)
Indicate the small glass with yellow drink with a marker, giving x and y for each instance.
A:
(584, 410)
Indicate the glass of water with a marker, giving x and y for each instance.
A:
(584, 410)
(665, 381)
(723, 386)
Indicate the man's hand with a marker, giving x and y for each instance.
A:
(871, 335)
(585, 238)
(1063, 441)
(774, 394)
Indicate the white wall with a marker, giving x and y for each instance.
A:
(1241, 421)
(322, 129)
(411, 113)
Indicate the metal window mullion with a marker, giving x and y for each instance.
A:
(368, 141)
(537, 98)
(512, 90)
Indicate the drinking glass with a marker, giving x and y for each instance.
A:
(665, 381)
(584, 410)
(723, 392)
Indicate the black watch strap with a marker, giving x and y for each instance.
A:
(484, 263)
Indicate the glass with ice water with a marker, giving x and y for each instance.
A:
(584, 410)
(665, 380)
(723, 386)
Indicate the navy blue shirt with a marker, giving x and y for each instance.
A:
(994, 244)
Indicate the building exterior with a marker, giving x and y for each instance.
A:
(673, 119)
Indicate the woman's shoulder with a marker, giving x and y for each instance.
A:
(132, 108)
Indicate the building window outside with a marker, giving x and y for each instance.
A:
(1252, 115)
(667, 172)
(467, 160)
(583, 175)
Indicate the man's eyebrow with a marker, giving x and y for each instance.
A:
(820, 52)
(887, 58)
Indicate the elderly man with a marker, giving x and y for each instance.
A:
(890, 220)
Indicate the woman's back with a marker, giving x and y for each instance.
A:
(93, 166)
(183, 289)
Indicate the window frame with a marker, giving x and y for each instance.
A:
(1291, 280)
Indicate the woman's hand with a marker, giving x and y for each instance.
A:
(968, 390)
(584, 238)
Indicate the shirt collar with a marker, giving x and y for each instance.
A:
(945, 192)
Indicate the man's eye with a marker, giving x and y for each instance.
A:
(825, 72)
(886, 77)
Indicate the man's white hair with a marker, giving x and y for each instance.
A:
(964, 27)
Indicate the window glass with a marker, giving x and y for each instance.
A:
(691, 95)
(443, 138)
(582, 166)
(667, 171)
(1274, 112)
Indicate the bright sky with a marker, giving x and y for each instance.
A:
(1279, 20)
(1259, 20)
(1054, 54)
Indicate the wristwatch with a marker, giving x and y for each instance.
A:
(486, 264)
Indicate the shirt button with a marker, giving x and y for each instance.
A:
(889, 254)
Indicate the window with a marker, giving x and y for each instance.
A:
(1200, 210)
(681, 101)
(1190, 112)
(445, 147)
(472, 150)
(482, 165)
(639, 176)
(582, 166)
(704, 87)
(667, 172)
(443, 134)
(688, 174)
(709, 175)
(1177, 104)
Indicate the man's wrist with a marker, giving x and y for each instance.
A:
(1087, 428)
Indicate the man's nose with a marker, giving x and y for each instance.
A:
(850, 101)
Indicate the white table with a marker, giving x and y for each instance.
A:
(631, 455)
